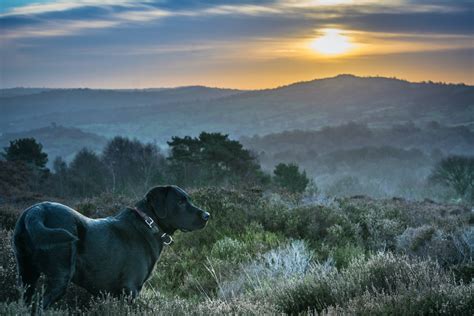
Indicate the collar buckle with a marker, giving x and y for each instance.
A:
(167, 239)
(149, 221)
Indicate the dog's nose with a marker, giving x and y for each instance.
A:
(205, 216)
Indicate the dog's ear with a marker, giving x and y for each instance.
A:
(156, 198)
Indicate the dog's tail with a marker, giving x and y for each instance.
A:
(45, 237)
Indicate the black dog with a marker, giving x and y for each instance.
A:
(114, 254)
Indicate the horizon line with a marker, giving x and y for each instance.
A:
(248, 90)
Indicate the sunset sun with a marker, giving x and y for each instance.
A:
(331, 43)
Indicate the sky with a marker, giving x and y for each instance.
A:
(234, 44)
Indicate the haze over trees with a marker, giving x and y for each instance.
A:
(456, 172)
(303, 105)
(383, 134)
(128, 166)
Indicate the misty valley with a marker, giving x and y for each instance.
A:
(379, 137)
(346, 195)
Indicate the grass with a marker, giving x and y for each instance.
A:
(263, 254)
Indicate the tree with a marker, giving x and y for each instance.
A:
(132, 164)
(26, 150)
(60, 176)
(212, 158)
(289, 177)
(456, 172)
(87, 174)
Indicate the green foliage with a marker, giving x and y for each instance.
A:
(231, 238)
(288, 177)
(315, 223)
(212, 159)
(456, 172)
(263, 255)
(26, 150)
(397, 279)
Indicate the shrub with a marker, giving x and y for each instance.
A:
(387, 275)
(441, 299)
(429, 242)
(285, 262)
(228, 249)
(198, 261)
(8, 216)
(8, 273)
(103, 205)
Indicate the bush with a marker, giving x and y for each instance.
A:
(103, 205)
(387, 275)
(285, 262)
(8, 216)
(441, 299)
(315, 223)
(8, 273)
(200, 269)
(429, 242)
(259, 254)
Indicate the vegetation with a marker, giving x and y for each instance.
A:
(264, 251)
(353, 158)
(212, 159)
(289, 177)
(456, 172)
(26, 150)
(265, 255)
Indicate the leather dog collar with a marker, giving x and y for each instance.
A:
(165, 238)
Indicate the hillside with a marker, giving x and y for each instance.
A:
(72, 106)
(160, 113)
(59, 140)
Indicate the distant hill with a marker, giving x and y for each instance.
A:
(59, 140)
(15, 92)
(72, 106)
(161, 113)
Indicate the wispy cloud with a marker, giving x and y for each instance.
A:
(128, 35)
(118, 12)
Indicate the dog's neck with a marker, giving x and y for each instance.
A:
(145, 207)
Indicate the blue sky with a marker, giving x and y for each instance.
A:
(238, 44)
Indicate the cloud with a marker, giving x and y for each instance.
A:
(392, 16)
(181, 37)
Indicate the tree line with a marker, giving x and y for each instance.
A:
(211, 159)
(130, 166)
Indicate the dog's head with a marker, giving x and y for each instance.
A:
(171, 205)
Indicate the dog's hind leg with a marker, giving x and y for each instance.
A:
(28, 272)
(28, 275)
(58, 264)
